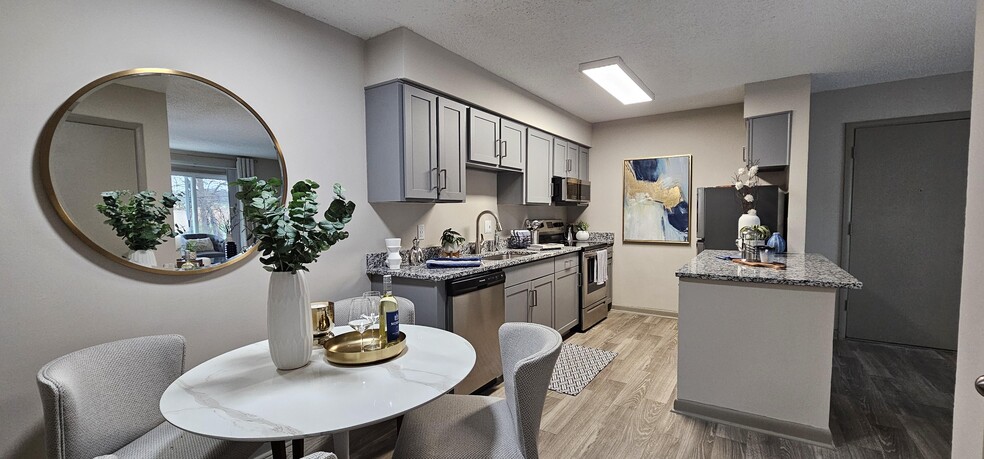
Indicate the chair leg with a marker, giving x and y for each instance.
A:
(279, 449)
(399, 423)
(298, 447)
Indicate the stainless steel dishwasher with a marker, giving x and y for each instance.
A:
(477, 310)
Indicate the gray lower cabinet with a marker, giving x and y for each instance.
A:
(518, 299)
(406, 159)
(566, 300)
(542, 304)
(545, 292)
(531, 301)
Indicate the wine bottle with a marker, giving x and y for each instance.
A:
(389, 314)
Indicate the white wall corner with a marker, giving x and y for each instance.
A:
(789, 94)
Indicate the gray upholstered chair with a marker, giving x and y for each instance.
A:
(474, 426)
(105, 400)
(343, 310)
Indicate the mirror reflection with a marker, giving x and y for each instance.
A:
(167, 134)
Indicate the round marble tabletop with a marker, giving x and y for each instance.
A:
(240, 395)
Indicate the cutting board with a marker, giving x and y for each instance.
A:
(760, 264)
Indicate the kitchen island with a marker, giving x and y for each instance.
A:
(756, 344)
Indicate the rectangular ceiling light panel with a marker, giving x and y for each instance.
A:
(615, 77)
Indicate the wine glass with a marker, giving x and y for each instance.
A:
(372, 314)
(359, 319)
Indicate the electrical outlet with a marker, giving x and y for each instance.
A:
(420, 232)
(488, 226)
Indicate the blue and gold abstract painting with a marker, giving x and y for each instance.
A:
(656, 200)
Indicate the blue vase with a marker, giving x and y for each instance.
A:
(776, 243)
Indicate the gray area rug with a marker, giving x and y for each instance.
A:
(577, 366)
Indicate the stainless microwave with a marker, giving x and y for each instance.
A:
(571, 191)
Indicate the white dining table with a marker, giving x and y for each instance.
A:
(241, 396)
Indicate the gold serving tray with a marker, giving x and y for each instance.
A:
(346, 349)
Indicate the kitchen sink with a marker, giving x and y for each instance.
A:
(507, 255)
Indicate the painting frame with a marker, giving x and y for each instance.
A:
(628, 173)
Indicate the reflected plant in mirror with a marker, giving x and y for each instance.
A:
(166, 132)
(141, 222)
(289, 237)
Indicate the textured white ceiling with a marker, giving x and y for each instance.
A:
(691, 53)
(203, 119)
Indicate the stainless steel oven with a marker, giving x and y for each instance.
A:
(595, 299)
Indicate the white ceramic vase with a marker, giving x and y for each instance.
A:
(747, 219)
(581, 235)
(289, 320)
(143, 257)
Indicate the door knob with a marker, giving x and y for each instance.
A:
(979, 384)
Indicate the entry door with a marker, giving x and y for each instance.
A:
(906, 232)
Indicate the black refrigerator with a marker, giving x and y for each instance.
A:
(718, 211)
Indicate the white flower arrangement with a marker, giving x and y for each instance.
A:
(746, 182)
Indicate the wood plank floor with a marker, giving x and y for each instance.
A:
(886, 401)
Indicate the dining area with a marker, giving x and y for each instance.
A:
(133, 398)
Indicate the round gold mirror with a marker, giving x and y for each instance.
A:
(141, 165)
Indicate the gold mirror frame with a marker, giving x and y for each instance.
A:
(48, 133)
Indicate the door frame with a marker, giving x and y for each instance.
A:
(847, 188)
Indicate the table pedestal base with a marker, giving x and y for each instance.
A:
(280, 448)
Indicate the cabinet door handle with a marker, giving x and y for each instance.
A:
(495, 150)
(436, 183)
(444, 173)
(505, 148)
(569, 165)
(529, 299)
(744, 153)
(536, 298)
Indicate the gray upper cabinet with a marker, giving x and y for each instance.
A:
(452, 149)
(512, 136)
(402, 145)
(539, 159)
(582, 164)
(561, 166)
(495, 142)
(483, 138)
(768, 140)
(573, 155)
(568, 159)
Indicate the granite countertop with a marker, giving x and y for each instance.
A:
(422, 272)
(802, 269)
(376, 262)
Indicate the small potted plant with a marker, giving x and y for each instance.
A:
(141, 221)
(452, 243)
(582, 230)
(288, 238)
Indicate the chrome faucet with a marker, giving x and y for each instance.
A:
(479, 236)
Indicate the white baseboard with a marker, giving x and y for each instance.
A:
(651, 312)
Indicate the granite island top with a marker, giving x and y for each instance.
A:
(802, 269)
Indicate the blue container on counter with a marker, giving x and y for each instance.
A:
(776, 243)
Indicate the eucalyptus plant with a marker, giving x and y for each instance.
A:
(581, 225)
(140, 221)
(290, 237)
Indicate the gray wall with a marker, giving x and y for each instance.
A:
(829, 112)
(644, 273)
(303, 77)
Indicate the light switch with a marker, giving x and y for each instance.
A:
(420, 232)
